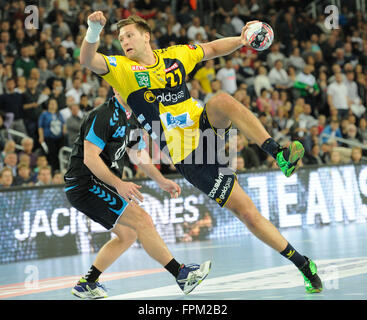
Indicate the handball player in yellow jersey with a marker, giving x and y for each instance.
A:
(152, 83)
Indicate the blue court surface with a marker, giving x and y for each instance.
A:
(243, 268)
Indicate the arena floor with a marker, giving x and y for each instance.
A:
(242, 269)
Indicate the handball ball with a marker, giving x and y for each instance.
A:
(259, 36)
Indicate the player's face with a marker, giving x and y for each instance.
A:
(133, 41)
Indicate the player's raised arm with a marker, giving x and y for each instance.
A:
(89, 57)
(225, 46)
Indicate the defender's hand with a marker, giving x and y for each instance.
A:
(129, 191)
(171, 187)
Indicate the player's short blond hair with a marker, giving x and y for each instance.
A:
(141, 24)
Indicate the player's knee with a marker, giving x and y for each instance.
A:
(143, 221)
(249, 215)
(219, 99)
(223, 103)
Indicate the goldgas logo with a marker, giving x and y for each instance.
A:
(149, 96)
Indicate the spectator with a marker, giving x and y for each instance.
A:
(263, 102)
(362, 130)
(3, 132)
(32, 110)
(73, 124)
(295, 60)
(237, 21)
(84, 104)
(27, 145)
(59, 27)
(24, 176)
(45, 73)
(262, 81)
(306, 84)
(8, 148)
(24, 63)
(205, 75)
(12, 102)
(331, 131)
(227, 28)
(44, 176)
(51, 129)
(278, 77)
(227, 77)
(76, 91)
(57, 178)
(196, 28)
(6, 178)
(352, 133)
(275, 102)
(352, 90)
(311, 138)
(242, 149)
(216, 86)
(338, 96)
(10, 161)
(335, 158)
(274, 55)
(313, 157)
(356, 156)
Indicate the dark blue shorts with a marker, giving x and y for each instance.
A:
(98, 201)
(205, 169)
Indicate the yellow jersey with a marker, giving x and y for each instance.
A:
(159, 97)
(205, 76)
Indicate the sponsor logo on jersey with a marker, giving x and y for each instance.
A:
(120, 132)
(170, 97)
(142, 78)
(192, 46)
(218, 186)
(149, 96)
(171, 122)
(141, 118)
(138, 68)
(112, 61)
(173, 67)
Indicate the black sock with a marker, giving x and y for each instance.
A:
(293, 255)
(173, 267)
(92, 274)
(271, 147)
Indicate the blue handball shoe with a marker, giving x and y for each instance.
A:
(89, 290)
(191, 275)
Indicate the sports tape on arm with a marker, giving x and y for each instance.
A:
(94, 29)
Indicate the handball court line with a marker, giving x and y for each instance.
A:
(50, 284)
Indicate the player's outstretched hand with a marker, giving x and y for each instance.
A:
(171, 187)
(243, 32)
(129, 191)
(97, 16)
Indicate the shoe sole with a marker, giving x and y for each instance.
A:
(77, 294)
(205, 268)
(297, 152)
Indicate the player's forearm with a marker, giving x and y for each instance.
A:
(225, 46)
(144, 162)
(96, 165)
(87, 52)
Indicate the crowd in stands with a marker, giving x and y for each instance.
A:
(310, 85)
